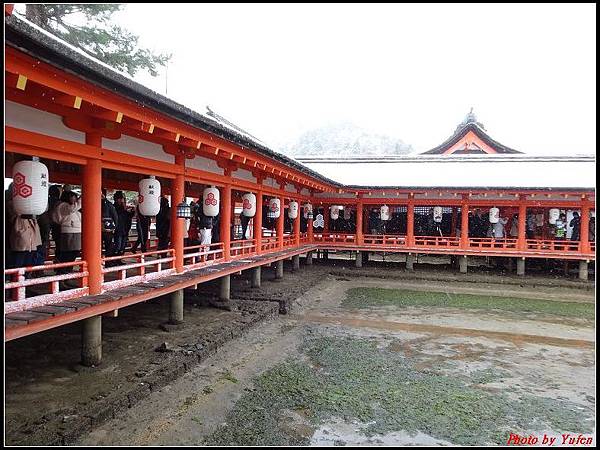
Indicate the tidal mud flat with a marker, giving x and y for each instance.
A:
(332, 373)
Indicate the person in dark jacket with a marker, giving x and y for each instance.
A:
(244, 220)
(47, 227)
(142, 227)
(216, 229)
(124, 220)
(54, 193)
(163, 224)
(109, 224)
(575, 223)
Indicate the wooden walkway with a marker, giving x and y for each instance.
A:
(34, 320)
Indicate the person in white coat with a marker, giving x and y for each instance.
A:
(67, 214)
(499, 227)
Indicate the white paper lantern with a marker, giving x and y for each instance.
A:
(308, 210)
(274, 208)
(437, 214)
(347, 213)
(384, 212)
(335, 212)
(494, 215)
(210, 201)
(30, 187)
(553, 216)
(293, 210)
(149, 196)
(249, 204)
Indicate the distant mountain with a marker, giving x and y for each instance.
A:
(344, 140)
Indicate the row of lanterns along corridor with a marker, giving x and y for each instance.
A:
(30, 199)
(31, 184)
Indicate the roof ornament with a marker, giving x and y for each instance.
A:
(469, 119)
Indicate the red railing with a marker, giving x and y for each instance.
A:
(289, 240)
(16, 289)
(202, 255)
(552, 245)
(388, 240)
(497, 243)
(143, 261)
(304, 238)
(151, 244)
(437, 241)
(335, 238)
(242, 248)
(269, 243)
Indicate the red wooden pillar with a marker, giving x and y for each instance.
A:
(464, 222)
(91, 196)
(309, 226)
(258, 222)
(584, 229)
(297, 228)
(326, 216)
(410, 220)
(454, 220)
(360, 237)
(280, 222)
(522, 236)
(177, 225)
(225, 224)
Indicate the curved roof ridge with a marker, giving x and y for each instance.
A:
(470, 124)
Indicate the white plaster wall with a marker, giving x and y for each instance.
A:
(31, 119)
(243, 174)
(270, 182)
(335, 195)
(206, 164)
(138, 147)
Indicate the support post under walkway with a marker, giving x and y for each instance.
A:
(358, 261)
(176, 307)
(521, 266)
(256, 274)
(583, 270)
(410, 262)
(309, 258)
(279, 270)
(91, 344)
(463, 262)
(225, 292)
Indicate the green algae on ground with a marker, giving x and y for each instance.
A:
(363, 297)
(353, 379)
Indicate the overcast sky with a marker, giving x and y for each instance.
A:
(409, 71)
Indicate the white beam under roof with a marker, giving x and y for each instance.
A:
(505, 171)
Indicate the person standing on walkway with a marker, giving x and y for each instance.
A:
(498, 228)
(124, 220)
(163, 224)
(560, 228)
(68, 215)
(142, 227)
(109, 224)
(24, 238)
(514, 226)
(575, 223)
(531, 226)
